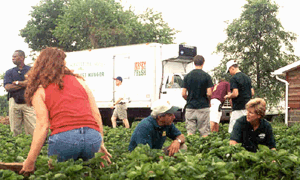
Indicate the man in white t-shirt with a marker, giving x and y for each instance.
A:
(119, 105)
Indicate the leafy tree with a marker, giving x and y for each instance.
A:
(88, 24)
(38, 32)
(258, 42)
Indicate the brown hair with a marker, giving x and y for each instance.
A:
(259, 106)
(199, 60)
(221, 80)
(48, 68)
(235, 66)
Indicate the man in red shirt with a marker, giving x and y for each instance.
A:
(218, 92)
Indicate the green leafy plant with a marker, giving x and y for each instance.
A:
(206, 158)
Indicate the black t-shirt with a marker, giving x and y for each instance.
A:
(196, 82)
(243, 133)
(242, 82)
(15, 74)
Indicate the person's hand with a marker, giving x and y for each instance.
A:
(28, 167)
(50, 164)
(174, 148)
(106, 156)
(113, 106)
(15, 82)
(226, 97)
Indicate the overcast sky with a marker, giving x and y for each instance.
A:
(201, 23)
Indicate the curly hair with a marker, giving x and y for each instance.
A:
(49, 67)
(259, 106)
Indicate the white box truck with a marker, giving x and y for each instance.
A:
(150, 71)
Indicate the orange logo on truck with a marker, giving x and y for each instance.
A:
(140, 68)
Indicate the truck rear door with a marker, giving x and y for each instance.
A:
(137, 80)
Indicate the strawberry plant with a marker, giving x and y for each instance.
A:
(206, 158)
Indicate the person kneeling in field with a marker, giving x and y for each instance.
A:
(63, 103)
(154, 129)
(252, 129)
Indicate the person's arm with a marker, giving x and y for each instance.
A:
(40, 131)
(184, 93)
(177, 136)
(181, 138)
(234, 94)
(21, 83)
(232, 142)
(9, 84)
(118, 101)
(12, 87)
(210, 85)
(96, 114)
(175, 145)
(121, 98)
(236, 134)
(208, 92)
(252, 91)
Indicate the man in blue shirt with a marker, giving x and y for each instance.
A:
(15, 84)
(154, 129)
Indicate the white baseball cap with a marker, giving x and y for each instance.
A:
(229, 64)
(163, 106)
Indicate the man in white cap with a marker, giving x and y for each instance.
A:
(241, 92)
(155, 129)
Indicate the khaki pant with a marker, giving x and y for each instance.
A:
(198, 119)
(120, 111)
(20, 114)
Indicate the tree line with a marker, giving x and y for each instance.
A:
(256, 40)
(77, 25)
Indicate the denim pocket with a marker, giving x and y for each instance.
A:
(62, 147)
(92, 144)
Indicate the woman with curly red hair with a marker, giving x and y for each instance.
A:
(65, 104)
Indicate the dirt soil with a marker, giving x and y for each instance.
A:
(4, 120)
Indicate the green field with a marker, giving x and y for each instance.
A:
(206, 158)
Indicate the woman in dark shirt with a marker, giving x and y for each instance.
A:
(252, 129)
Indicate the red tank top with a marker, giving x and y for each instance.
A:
(69, 108)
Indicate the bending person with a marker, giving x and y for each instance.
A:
(252, 129)
(155, 129)
(65, 104)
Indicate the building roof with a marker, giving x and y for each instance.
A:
(283, 70)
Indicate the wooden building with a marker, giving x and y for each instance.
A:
(291, 73)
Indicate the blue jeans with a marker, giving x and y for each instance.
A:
(78, 143)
